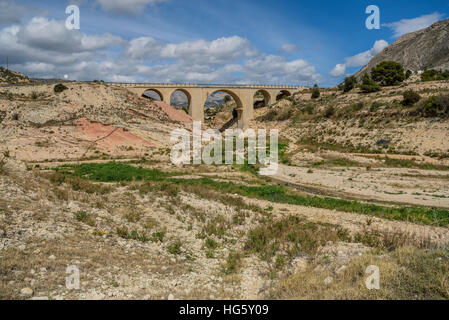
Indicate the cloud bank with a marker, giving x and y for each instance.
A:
(405, 26)
(43, 47)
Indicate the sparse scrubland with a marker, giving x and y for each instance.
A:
(86, 180)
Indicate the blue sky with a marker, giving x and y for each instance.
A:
(265, 41)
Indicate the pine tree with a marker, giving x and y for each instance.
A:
(316, 92)
(388, 73)
(369, 85)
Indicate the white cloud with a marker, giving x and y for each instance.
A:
(338, 71)
(363, 58)
(405, 26)
(360, 59)
(143, 48)
(218, 52)
(126, 6)
(288, 47)
(45, 48)
(54, 36)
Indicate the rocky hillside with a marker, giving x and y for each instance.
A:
(11, 77)
(86, 120)
(420, 50)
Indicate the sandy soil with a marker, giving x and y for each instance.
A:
(417, 187)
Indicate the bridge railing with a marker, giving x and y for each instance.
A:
(193, 85)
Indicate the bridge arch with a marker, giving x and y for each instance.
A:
(147, 92)
(266, 97)
(235, 115)
(283, 94)
(185, 92)
(233, 94)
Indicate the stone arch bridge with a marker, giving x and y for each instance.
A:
(197, 95)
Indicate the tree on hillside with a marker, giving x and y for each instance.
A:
(408, 74)
(349, 84)
(432, 75)
(227, 99)
(388, 73)
(316, 92)
(369, 85)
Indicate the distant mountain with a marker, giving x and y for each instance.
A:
(420, 50)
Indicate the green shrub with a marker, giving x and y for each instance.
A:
(357, 106)
(308, 109)
(59, 88)
(433, 75)
(84, 217)
(388, 73)
(175, 247)
(158, 236)
(349, 84)
(233, 263)
(436, 106)
(329, 111)
(292, 234)
(375, 106)
(410, 98)
(269, 116)
(123, 232)
(211, 243)
(368, 85)
(408, 74)
(316, 92)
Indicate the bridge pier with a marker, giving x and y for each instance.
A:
(247, 99)
(196, 106)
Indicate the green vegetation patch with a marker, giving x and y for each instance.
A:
(434, 75)
(269, 192)
(113, 172)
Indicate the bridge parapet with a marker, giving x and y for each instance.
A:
(211, 86)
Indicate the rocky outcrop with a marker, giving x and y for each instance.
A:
(420, 50)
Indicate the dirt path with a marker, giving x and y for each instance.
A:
(384, 185)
